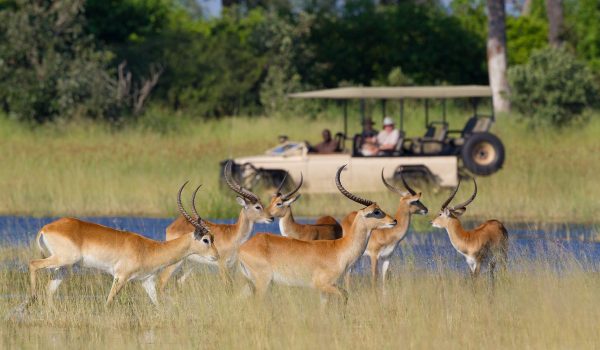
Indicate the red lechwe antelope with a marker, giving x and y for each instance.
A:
(228, 237)
(125, 255)
(487, 242)
(383, 241)
(267, 258)
(326, 227)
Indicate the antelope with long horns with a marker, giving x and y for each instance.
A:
(383, 242)
(487, 242)
(125, 255)
(228, 237)
(267, 258)
(326, 227)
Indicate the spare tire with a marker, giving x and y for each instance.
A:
(483, 153)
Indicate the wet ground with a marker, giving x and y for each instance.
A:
(560, 246)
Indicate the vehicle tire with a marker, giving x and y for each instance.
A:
(483, 153)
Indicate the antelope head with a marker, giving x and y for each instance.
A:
(371, 215)
(453, 213)
(410, 199)
(203, 244)
(253, 208)
(280, 202)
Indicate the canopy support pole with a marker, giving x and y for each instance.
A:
(426, 113)
(402, 116)
(362, 110)
(345, 119)
(444, 110)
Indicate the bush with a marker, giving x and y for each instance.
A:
(552, 88)
(525, 34)
(48, 67)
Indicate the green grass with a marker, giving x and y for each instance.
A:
(85, 168)
(530, 307)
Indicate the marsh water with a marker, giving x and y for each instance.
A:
(561, 246)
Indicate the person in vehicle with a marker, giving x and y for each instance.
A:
(328, 145)
(368, 146)
(388, 137)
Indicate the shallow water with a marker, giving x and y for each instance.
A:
(560, 246)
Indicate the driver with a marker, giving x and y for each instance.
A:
(328, 145)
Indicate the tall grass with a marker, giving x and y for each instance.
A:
(532, 306)
(88, 168)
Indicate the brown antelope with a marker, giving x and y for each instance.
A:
(383, 241)
(267, 258)
(125, 255)
(228, 237)
(326, 227)
(487, 242)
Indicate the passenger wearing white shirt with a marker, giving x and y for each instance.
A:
(388, 137)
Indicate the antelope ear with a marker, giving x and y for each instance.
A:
(458, 212)
(241, 201)
(291, 200)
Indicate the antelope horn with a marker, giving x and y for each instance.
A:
(184, 213)
(345, 192)
(236, 187)
(410, 190)
(286, 196)
(198, 218)
(390, 187)
(464, 205)
(278, 192)
(451, 196)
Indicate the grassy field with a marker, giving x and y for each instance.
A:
(532, 306)
(87, 168)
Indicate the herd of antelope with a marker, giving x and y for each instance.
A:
(315, 256)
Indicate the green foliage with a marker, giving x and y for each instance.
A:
(48, 67)
(366, 42)
(282, 77)
(217, 71)
(583, 17)
(524, 35)
(552, 88)
(471, 15)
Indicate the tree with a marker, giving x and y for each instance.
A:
(554, 10)
(496, 54)
(48, 67)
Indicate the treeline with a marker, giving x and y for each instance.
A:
(109, 58)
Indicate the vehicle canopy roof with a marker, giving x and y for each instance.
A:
(346, 93)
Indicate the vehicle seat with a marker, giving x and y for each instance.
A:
(339, 139)
(399, 150)
(433, 142)
(475, 124)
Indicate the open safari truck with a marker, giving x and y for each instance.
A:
(439, 156)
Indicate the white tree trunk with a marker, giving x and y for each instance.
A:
(554, 11)
(496, 54)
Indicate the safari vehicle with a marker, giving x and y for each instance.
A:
(440, 156)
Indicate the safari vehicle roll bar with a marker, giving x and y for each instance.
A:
(426, 93)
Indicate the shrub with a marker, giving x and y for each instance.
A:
(48, 67)
(552, 88)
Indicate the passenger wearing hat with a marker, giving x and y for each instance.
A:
(388, 137)
(368, 146)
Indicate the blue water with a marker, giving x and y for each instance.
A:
(560, 246)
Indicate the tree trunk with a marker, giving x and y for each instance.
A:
(496, 54)
(555, 20)
(526, 8)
